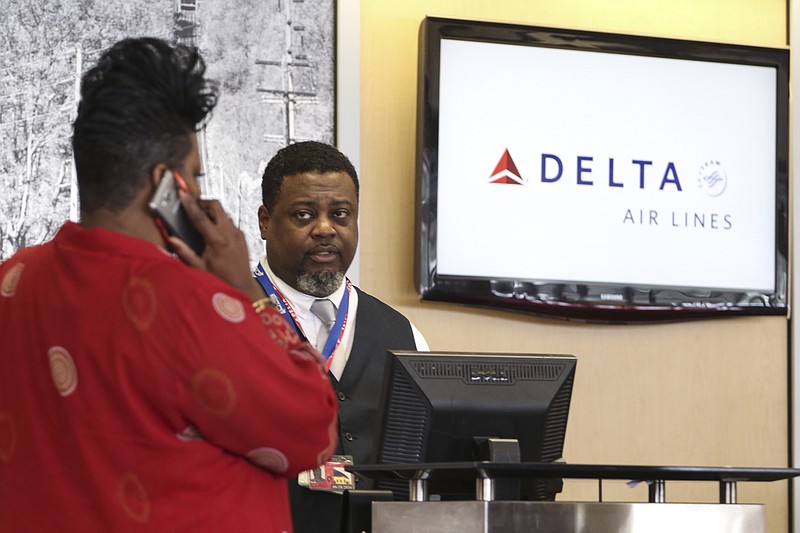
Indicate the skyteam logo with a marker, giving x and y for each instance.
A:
(506, 171)
(712, 178)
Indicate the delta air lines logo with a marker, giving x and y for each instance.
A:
(616, 179)
(506, 171)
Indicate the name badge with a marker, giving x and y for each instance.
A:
(330, 476)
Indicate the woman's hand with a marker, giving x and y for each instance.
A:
(226, 254)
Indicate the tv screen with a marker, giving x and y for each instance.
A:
(435, 405)
(601, 176)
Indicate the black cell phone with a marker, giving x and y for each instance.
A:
(170, 215)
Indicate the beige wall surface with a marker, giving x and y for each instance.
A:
(703, 393)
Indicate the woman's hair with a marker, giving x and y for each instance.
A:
(138, 106)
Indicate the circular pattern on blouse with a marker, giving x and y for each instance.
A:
(8, 436)
(9, 284)
(228, 307)
(133, 497)
(214, 391)
(140, 303)
(62, 370)
(269, 459)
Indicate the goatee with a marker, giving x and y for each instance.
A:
(320, 284)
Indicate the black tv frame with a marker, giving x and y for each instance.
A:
(576, 299)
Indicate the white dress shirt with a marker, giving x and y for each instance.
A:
(309, 322)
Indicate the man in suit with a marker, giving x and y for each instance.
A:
(309, 219)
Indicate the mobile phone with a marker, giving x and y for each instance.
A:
(170, 215)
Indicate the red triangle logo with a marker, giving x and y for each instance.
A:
(506, 171)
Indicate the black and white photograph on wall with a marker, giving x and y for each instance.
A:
(273, 61)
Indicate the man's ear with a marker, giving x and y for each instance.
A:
(157, 173)
(263, 221)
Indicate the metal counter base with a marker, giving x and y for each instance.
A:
(565, 517)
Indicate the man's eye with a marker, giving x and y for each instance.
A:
(304, 215)
(341, 213)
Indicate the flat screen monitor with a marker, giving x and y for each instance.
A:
(601, 176)
(436, 407)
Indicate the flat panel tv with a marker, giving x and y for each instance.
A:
(597, 176)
